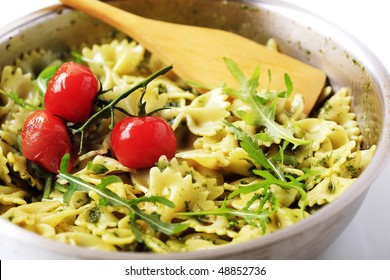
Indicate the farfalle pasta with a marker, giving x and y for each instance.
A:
(233, 178)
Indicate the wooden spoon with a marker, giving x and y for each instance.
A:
(196, 53)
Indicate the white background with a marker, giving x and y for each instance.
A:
(368, 235)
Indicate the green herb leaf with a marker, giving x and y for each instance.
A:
(48, 184)
(154, 221)
(155, 199)
(269, 180)
(261, 113)
(257, 155)
(79, 58)
(134, 226)
(113, 199)
(251, 217)
(20, 101)
(253, 187)
(97, 168)
(45, 76)
(254, 151)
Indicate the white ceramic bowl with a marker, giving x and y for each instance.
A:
(300, 34)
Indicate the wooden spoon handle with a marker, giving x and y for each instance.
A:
(196, 53)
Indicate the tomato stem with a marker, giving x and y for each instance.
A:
(142, 105)
(111, 106)
(157, 110)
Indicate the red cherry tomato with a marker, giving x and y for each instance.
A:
(45, 140)
(138, 142)
(71, 92)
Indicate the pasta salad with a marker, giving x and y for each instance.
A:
(227, 164)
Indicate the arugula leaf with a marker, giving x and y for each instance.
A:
(135, 228)
(45, 76)
(20, 101)
(265, 184)
(254, 151)
(257, 155)
(289, 87)
(249, 216)
(282, 158)
(79, 58)
(292, 184)
(111, 198)
(261, 113)
(48, 184)
(96, 168)
(253, 187)
(269, 180)
(154, 198)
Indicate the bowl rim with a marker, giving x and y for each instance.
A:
(358, 189)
